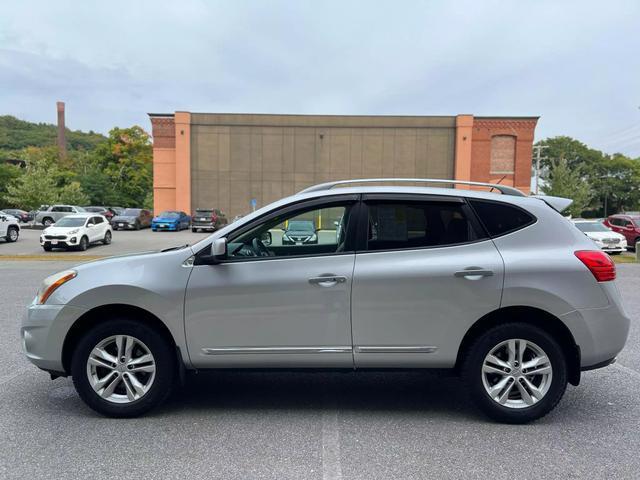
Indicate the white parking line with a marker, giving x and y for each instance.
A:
(331, 468)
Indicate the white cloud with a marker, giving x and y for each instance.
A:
(574, 63)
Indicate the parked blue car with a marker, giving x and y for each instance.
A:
(170, 220)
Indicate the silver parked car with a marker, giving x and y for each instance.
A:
(500, 288)
(55, 212)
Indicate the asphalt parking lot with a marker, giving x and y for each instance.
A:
(124, 241)
(310, 425)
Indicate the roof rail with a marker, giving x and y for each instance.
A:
(505, 190)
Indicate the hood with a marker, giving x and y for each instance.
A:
(166, 219)
(603, 235)
(58, 230)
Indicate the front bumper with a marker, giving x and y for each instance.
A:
(125, 225)
(65, 242)
(165, 226)
(43, 331)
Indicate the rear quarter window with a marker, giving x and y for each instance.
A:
(501, 218)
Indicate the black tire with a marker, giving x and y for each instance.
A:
(107, 238)
(47, 248)
(472, 372)
(137, 225)
(114, 228)
(12, 234)
(47, 221)
(84, 244)
(165, 363)
(194, 230)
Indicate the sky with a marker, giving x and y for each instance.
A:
(576, 64)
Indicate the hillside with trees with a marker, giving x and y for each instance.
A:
(16, 134)
(97, 170)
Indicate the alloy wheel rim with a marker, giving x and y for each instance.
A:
(517, 373)
(121, 369)
(13, 234)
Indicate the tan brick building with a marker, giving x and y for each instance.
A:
(226, 160)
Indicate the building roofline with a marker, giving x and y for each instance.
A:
(161, 115)
(507, 117)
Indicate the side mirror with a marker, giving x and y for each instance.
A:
(266, 238)
(219, 248)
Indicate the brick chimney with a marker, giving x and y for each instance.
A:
(62, 143)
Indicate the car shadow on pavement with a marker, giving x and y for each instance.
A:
(421, 392)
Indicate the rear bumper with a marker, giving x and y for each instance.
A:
(43, 331)
(601, 333)
(203, 225)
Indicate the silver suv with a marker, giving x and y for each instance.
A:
(55, 212)
(500, 288)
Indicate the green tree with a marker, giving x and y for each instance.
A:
(8, 174)
(126, 158)
(72, 194)
(37, 185)
(567, 182)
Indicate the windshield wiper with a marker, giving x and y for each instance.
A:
(175, 248)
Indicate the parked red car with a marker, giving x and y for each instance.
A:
(627, 225)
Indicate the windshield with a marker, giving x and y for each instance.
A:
(591, 227)
(203, 212)
(169, 214)
(70, 222)
(131, 212)
(301, 225)
(94, 209)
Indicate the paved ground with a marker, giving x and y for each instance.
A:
(316, 426)
(124, 241)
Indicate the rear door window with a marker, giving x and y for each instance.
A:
(403, 224)
(501, 218)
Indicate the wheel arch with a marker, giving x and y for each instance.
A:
(103, 313)
(533, 316)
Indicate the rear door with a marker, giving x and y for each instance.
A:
(425, 271)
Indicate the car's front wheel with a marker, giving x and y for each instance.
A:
(123, 368)
(12, 234)
(84, 244)
(516, 372)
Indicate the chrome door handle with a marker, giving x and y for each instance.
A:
(327, 280)
(474, 272)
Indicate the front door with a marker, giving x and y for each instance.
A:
(275, 304)
(425, 274)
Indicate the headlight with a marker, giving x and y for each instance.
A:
(286, 237)
(51, 283)
(313, 238)
(71, 232)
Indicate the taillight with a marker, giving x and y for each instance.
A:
(214, 218)
(598, 263)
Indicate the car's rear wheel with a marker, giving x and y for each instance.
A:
(107, 238)
(516, 372)
(123, 368)
(194, 230)
(12, 234)
(47, 221)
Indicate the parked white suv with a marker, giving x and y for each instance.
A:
(500, 288)
(77, 232)
(55, 212)
(9, 227)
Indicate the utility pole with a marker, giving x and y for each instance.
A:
(538, 149)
